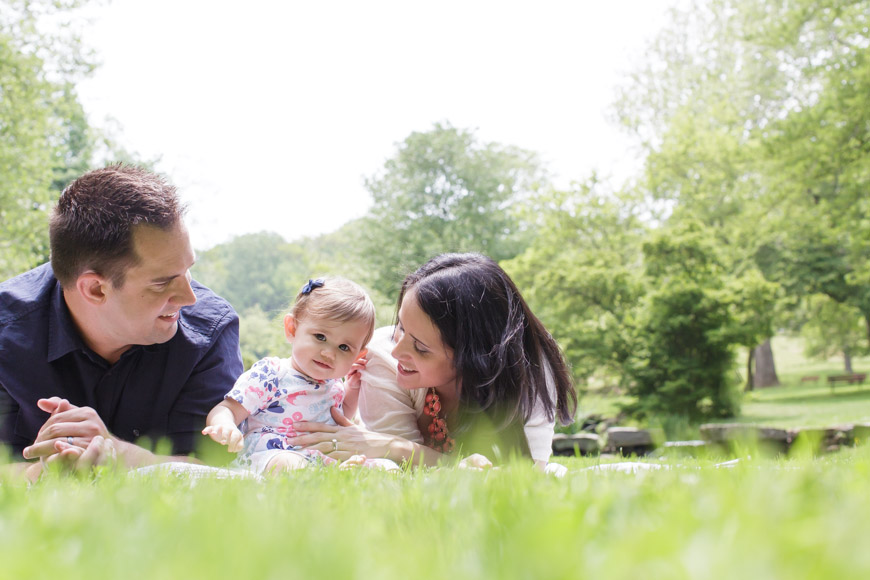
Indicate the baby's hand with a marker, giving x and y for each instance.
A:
(354, 379)
(226, 435)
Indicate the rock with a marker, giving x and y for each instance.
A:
(809, 439)
(582, 443)
(773, 434)
(722, 432)
(590, 423)
(629, 440)
(695, 443)
(842, 435)
(682, 448)
(822, 438)
(732, 434)
(628, 437)
(861, 433)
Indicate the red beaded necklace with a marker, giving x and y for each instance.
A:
(439, 440)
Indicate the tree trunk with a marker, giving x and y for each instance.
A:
(847, 360)
(750, 358)
(765, 369)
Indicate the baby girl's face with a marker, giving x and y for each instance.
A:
(325, 349)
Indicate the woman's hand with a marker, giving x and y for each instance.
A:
(343, 440)
(476, 462)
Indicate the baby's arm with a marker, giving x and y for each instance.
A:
(222, 424)
(352, 386)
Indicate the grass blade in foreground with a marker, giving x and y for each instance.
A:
(762, 519)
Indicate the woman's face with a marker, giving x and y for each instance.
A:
(424, 360)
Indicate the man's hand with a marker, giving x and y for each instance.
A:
(76, 439)
(74, 459)
(68, 424)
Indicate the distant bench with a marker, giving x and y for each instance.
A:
(850, 379)
(810, 379)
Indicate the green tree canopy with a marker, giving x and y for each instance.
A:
(581, 272)
(445, 191)
(755, 120)
(682, 355)
(45, 138)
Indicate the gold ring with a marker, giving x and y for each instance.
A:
(335, 444)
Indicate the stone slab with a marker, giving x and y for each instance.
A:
(582, 443)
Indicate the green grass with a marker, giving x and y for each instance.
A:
(794, 403)
(794, 518)
(807, 406)
(789, 519)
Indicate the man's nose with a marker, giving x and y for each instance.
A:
(184, 295)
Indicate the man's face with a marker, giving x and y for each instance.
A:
(145, 309)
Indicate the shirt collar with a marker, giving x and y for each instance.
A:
(63, 337)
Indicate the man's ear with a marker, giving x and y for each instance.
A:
(92, 287)
(289, 327)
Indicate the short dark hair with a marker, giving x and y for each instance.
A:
(92, 225)
(502, 353)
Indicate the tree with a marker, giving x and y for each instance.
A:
(753, 307)
(581, 273)
(261, 335)
(818, 154)
(444, 191)
(754, 117)
(833, 328)
(682, 354)
(695, 104)
(260, 275)
(256, 270)
(45, 139)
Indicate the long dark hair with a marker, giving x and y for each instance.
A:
(501, 351)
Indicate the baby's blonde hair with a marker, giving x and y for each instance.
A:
(336, 299)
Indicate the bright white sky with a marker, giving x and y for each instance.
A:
(268, 113)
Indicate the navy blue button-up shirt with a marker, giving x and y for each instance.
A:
(154, 391)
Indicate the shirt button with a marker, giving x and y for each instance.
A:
(135, 432)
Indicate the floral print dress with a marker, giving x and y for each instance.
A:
(276, 396)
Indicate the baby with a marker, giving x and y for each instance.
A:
(329, 326)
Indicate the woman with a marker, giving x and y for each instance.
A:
(467, 366)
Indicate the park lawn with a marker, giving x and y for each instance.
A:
(793, 404)
(789, 518)
(807, 405)
(794, 517)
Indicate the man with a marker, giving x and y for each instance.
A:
(112, 341)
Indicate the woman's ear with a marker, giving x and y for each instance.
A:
(92, 288)
(289, 327)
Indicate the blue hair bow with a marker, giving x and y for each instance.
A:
(311, 285)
